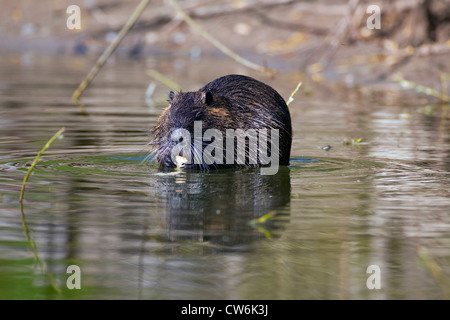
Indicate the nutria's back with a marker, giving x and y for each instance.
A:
(232, 104)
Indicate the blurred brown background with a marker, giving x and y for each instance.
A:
(325, 40)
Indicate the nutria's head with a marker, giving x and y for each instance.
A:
(184, 111)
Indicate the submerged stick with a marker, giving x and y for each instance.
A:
(113, 45)
(25, 228)
(34, 250)
(218, 44)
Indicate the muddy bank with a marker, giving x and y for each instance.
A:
(323, 42)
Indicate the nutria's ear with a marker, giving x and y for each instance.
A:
(171, 95)
(207, 98)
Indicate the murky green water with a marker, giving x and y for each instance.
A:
(138, 234)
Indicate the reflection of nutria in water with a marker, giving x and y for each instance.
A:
(230, 102)
(218, 208)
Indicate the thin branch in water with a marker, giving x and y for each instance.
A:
(443, 96)
(33, 164)
(218, 44)
(25, 228)
(444, 78)
(113, 45)
(164, 80)
(291, 98)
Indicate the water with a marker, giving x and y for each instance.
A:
(136, 233)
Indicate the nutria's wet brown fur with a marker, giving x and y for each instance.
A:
(229, 102)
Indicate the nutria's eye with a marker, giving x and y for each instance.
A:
(171, 95)
(207, 98)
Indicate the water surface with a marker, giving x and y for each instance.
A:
(136, 233)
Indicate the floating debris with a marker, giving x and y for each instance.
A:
(354, 142)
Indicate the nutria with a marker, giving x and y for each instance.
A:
(237, 109)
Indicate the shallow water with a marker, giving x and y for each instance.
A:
(137, 233)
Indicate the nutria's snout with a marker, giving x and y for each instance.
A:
(233, 121)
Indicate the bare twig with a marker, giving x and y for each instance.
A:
(340, 33)
(218, 44)
(443, 96)
(101, 61)
(164, 80)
